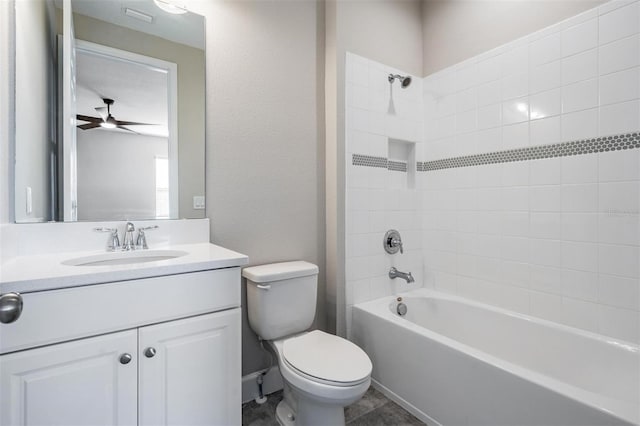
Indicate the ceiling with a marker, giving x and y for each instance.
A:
(187, 28)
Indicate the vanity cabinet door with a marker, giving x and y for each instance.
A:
(190, 371)
(91, 381)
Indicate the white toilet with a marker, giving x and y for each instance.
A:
(322, 373)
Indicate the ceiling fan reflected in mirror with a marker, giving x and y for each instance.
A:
(106, 120)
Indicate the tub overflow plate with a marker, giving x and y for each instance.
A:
(401, 309)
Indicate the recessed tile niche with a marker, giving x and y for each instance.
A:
(402, 163)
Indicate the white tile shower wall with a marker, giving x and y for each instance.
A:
(556, 238)
(379, 199)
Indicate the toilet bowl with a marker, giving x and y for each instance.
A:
(322, 373)
(325, 373)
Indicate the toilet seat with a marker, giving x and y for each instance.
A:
(327, 359)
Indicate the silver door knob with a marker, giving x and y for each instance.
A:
(10, 307)
(149, 352)
(125, 358)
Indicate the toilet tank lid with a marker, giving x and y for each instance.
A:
(279, 271)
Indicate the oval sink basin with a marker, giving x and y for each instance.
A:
(124, 257)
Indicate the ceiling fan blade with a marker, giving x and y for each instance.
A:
(89, 126)
(89, 119)
(132, 123)
(103, 111)
(128, 130)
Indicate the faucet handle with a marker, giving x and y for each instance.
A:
(397, 243)
(114, 240)
(392, 242)
(141, 239)
(104, 229)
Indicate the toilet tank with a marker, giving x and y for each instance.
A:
(281, 298)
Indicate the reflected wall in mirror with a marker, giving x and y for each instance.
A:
(123, 99)
(35, 111)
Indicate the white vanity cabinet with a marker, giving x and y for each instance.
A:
(77, 383)
(189, 371)
(154, 351)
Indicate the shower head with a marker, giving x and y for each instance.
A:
(405, 81)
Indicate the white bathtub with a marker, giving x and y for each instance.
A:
(456, 362)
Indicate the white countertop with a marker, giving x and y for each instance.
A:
(25, 274)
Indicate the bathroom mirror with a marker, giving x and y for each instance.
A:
(110, 111)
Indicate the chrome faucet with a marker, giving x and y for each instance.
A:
(129, 244)
(394, 273)
(141, 239)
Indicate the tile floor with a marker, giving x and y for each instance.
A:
(374, 409)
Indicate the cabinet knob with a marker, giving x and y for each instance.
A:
(125, 358)
(10, 307)
(150, 352)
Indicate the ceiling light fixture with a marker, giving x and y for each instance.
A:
(170, 7)
(107, 125)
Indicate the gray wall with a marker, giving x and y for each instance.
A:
(265, 159)
(388, 31)
(455, 30)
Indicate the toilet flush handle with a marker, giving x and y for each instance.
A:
(263, 286)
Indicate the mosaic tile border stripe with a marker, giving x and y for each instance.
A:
(369, 161)
(563, 149)
(380, 162)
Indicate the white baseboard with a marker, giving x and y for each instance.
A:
(272, 382)
(421, 415)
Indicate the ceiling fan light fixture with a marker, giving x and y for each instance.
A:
(109, 123)
(170, 7)
(106, 120)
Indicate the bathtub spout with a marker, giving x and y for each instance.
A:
(394, 273)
